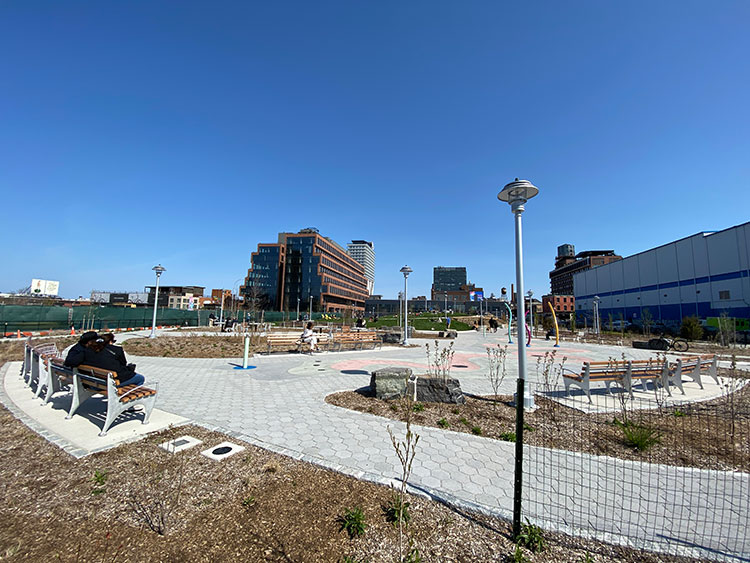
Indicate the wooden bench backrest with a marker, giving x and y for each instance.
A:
(96, 376)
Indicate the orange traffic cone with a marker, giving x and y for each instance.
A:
(72, 330)
(18, 333)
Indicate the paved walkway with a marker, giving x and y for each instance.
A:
(280, 406)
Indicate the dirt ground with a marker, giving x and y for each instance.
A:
(254, 506)
(208, 346)
(710, 435)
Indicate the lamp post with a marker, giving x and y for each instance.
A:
(517, 193)
(531, 312)
(406, 270)
(297, 309)
(597, 327)
(221, 311)
(445, 310)
(159, 269)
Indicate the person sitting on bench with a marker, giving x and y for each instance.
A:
(77, 354)
(95, 354)
(309, 337)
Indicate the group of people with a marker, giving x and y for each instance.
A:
(99, 351)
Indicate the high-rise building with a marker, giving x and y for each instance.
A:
(301, 268)
(364, 252)
(447, 280)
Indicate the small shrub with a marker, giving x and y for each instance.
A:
(531, 537)
(476, 430)
(353, 522)
(418, 407)
(517, 556)
(100, 478)
(442, 423)
(640, 437)
(455, 411)
(508, 436)
(586, 558)
(397, 510)
(528, 427)
(413, 556)
(678, 413)
(248, 501)
(463, 421)
(393, 407)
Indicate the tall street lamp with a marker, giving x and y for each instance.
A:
(531, 312)
(158, 269)
(517, 193)
(406, 270)
(597, 322)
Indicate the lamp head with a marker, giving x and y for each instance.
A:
(159, 269)
(406, 270)
(518, 191)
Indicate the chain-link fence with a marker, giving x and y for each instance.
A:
(660, 472)
(28, 318)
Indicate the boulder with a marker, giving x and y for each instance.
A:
(437, 390)
(389, 383)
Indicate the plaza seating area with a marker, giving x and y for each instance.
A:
(627, 372)
(44, 370)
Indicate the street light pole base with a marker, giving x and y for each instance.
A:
(528, 401)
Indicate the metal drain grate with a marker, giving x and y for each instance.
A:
(180, 444)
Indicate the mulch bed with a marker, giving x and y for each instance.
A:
(254, 506)
(710, 435)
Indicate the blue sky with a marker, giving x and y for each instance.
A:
(184, 133)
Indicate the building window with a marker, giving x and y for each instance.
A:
(724, 294)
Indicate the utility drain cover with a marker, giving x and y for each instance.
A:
(179, 444)
(222, 451)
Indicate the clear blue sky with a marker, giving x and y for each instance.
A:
(184, 133)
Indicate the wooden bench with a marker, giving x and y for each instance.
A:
(693, 367)
(357, 340)
(89, 381)
(292, 341)
(32, 366)
(624, 373)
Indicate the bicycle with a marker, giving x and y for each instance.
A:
(663, 344)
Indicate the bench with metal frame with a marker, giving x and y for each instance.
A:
(623, 373)
(89, 381)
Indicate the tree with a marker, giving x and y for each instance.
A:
(648, 321)
(691, 328)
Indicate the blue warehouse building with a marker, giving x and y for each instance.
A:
(703, 275)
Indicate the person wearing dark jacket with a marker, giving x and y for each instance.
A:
(116, 351)
(77, 354)
(98, 356)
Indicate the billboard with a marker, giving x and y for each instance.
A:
(476, 295)
(44, 287)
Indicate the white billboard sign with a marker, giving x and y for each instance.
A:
(44, 287)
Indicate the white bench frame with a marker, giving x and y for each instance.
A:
(619, 373)
(115, 406)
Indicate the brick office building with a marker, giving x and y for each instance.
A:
(306, 267)
(569, 263)
(560, 303)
